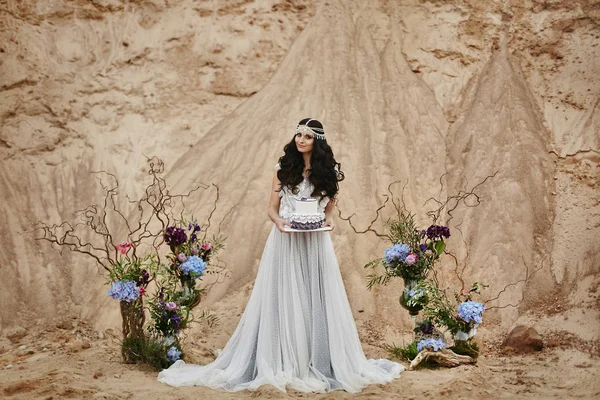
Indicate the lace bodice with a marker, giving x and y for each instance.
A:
(287, 202)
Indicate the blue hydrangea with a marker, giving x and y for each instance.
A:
(435, 344)
(124, 291)
(173, 353)
(194, 266)
(471, 311)
(396, 253)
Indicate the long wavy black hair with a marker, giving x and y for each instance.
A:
(322, 172)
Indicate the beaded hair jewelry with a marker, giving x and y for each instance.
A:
(319, 133)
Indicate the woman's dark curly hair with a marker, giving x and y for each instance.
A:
(322, 173)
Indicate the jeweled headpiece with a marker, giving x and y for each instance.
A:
(319, 133)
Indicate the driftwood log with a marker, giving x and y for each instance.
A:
(444, 357)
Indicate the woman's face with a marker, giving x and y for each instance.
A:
(304, 141)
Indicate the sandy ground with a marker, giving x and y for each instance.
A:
(75, 363)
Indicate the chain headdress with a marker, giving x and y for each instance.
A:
(319, 133)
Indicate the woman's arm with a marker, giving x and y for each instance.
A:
(329, 213)
(273, 210)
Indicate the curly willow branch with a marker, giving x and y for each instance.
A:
(524, 280)
(157, 200)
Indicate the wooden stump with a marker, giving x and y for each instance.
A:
(444, 357)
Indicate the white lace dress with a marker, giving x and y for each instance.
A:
(297, 330)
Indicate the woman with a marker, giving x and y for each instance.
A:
(297, 330)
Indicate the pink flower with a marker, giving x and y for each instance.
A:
(428, 252)
(182, 257)
(171, 306)
(206, 246)
(195, 251)
(142, 291)
(123, 247)
(411, 258)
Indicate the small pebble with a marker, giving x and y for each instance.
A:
(9, 366)
(22, 347)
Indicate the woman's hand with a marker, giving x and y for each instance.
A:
(329, 223)
(281, 224)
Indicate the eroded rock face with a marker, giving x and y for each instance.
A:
(407, 90)
(99, 86)
(523, 339)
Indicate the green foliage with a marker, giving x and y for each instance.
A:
(442, 311)
(407, 353)
(147, 350)
(466, 348)
(126, 268)
(404, 229)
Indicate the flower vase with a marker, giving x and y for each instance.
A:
(189, 295)
(133, 318)
(460, 335)
(464, 343)
(407, 294)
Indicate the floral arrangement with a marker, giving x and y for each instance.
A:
(461, 315)
(189, 258)
(171, 306)
(412, 256)
(134, 264)
(414, 261)
(413, 252)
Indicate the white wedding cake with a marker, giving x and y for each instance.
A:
(306, 214)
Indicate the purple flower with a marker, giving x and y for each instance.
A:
(426, 327)
(171, 306)
(144, 278)
(435, 232)
(193, 238)
(423, 247)
(182, 257)
(176, 319)
(175, 236)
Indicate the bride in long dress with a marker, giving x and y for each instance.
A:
(297, 329)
